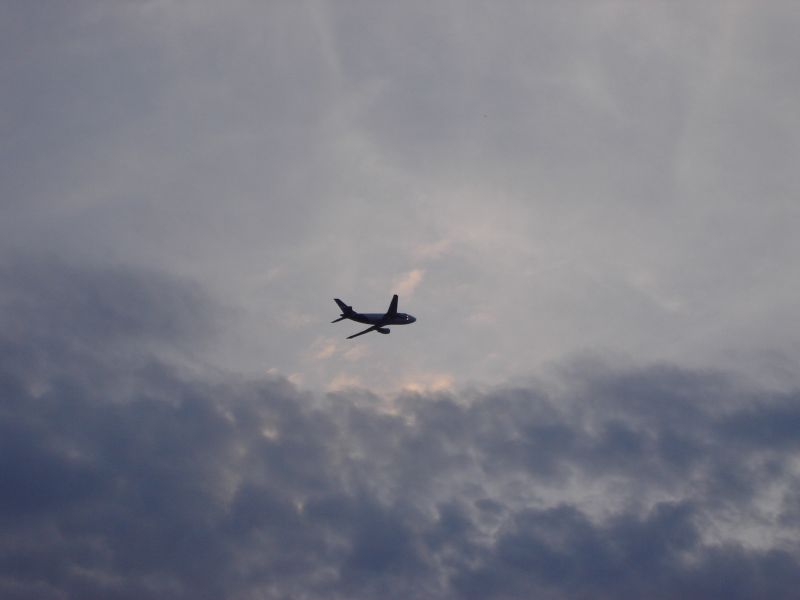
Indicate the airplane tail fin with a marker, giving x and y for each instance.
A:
(392, 307)
(346, 310)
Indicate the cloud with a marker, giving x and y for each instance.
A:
(356, 353)
(432, 250)
(405, 284)
(429, 382)
(133, 476)
(582, 173)
(591, 167)
(344, 381)
(322, 348)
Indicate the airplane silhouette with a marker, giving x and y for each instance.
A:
(378, 321)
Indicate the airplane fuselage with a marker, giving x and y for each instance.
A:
(381, 319)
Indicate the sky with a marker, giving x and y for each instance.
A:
(590, 208)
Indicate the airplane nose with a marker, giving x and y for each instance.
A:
(413, 319)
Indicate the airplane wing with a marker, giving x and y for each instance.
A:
(392, 307)
(367, 330)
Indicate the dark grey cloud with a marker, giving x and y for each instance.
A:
(57, 316)
(128, 474)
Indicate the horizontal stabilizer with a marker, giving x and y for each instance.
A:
(344, 308)
(342, 318)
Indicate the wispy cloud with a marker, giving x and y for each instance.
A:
(323, 348)
(405, 284)
(429, 382)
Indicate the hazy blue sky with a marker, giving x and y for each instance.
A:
(590, 207)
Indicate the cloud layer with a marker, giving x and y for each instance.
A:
(128, 475)
(590, 207)
(602, 176)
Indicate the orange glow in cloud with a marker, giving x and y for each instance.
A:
(432, 382)
(405, 284)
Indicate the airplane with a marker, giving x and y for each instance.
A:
(378, 321)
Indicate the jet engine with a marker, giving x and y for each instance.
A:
(383, 330)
